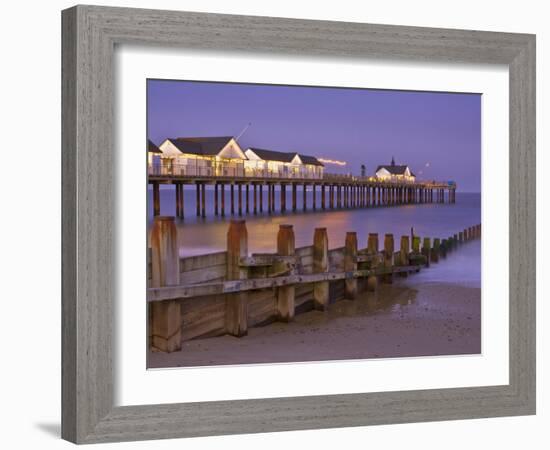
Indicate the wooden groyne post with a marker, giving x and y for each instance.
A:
(285, 294)
(165, 316)
(236, 305)
(436, 250)
(372, 251)
(426, 250)
(350, 264)
(404, 250)
(320, 265)
(388, 257)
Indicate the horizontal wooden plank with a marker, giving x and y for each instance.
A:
(266, 259)
(261, 307)
(207, 274)
(233, 286)
(202, 261)
(203, 316)
(304, 251)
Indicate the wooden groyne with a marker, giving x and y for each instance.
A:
(249, 195)
(231, 291)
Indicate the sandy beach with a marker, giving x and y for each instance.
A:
(408, 318)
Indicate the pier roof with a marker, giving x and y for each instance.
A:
(395, 170)
(152, 148)
(272, 155)
(205, 146)
(310, 160)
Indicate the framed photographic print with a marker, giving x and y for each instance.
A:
(256, 209)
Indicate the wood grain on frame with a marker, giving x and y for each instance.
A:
(88, 200)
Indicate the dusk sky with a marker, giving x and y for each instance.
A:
(437, 134)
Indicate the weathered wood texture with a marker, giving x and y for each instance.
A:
(320, 264)
(164, 317)
(236, 305)
(278, 286)
(90, 35)
(286, 294)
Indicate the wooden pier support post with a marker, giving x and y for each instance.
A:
(320, 264)
(404, 250)
(222, 193)
(215, 199)
(388, 258)
(156, 199)
(314, 196)
(198, 197)
(247, 192)
(203, 200)
(435, 250)
(286, 294)
(269, 200)
(350, 264)
(240, 198)
(283, 197)
(272, 198)
(177, 188)
(232, 198)
(372, 250)
(426, 250)
(261, 198)
(346, 196)
(236, 305)
(255, 199)
(323, 197)
(367, 202)
(177, 192)
(182, 201)
(304, 198)
(165, 319)
(294, 188)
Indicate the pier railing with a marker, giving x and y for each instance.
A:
(239, 171)
(208, 169)
(228, 292)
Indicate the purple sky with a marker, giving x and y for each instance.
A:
(359, 126)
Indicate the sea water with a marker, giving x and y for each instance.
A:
(198, 235)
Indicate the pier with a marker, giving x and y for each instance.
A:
(231, 291)
(256, 193)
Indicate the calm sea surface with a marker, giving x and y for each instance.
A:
(199, 236)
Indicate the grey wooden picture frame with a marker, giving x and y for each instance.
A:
(90, 34)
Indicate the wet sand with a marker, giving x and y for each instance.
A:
(408, 318)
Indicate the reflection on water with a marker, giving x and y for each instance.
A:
(384, 299)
